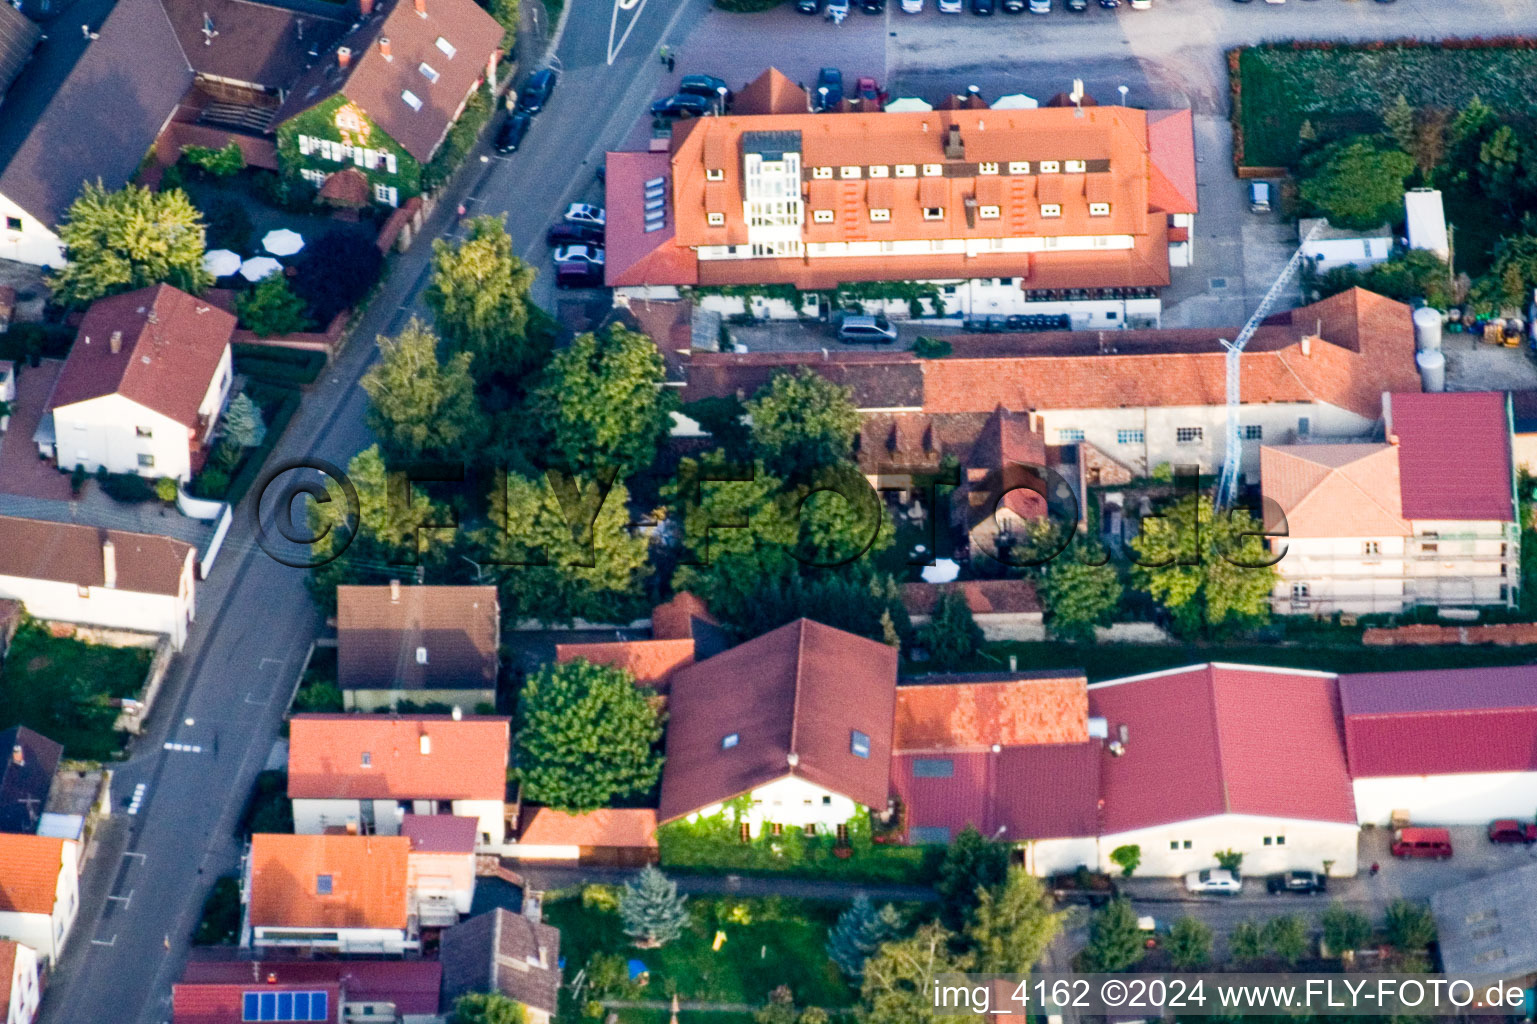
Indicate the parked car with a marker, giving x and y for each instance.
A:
(1078, 6)
(1430, 843)
(1141, 5)
(837, 10)
(578, 275)
(510, 135)
(912, 6)
(580, 254)
(872, 6)
(707, 86)
(1297, 881)
(573, 234)
(1012, 6)
(1040, 6)
(536, 91)
(586, 213)
(1509, 830)
(1110, 4)
(830, 79)
(1213, 880)
(875, 329)
(1094, 888)
(870, 94)
(1259, 197)
(808, 6)
(982, 7)
(683, 104)
(950, 6)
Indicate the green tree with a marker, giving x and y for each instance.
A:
(603, 401)
(1500, 162)
(1229, 860)
(1409, 926)
(1399, 119)
(1189, 944)
(899, 980)
(1355, 184)
(421, 407)
(859, 932)
(336, 273)
(243, 423)
(225, 162)
(132, 238)
(1080, 596)
(653, 912)
(272, 308)
(1286, 937)
(951, 636)
(1127, 858)
(478, 294)
(563, 550)
(487, 1008)
(802, 422)
(1186, 561)
(971, 863)
(586, 735)
(1407, 276)
(1345, 930)
(1115, 939)
(1012, 924)
(1247, 942)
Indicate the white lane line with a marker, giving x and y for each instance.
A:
(110, 942)
(613, 23)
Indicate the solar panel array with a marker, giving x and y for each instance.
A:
(286, 1006)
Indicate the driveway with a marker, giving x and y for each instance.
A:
(21, 471)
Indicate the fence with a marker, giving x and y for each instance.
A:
(1514, 634)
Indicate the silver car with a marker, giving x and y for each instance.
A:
(876, 329)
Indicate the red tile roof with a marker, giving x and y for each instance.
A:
(381, 630)
(1335, 490)
(651, 662)
(961, 713)
(367, 878)
(440, 833)
(1442, 722)
(613, 826)
(770, 93)
(634, 255)
(209, 991)
(29, 879)
(674, 620)
(1171, 163)
(793, 697)
(167, 357)
(1223, 739)
(70, 553)
(983, 597)
(424, 757)
(1454, 455)
(1045, 791)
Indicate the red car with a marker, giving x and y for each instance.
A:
(1509, 830)
(870, 95)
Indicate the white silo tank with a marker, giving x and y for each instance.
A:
(1427, 329)
(1432, 370)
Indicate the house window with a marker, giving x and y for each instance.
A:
(1300, 591)
(822, 216)
(880, 215)
(146, 461)
(1099, 209)
(849, 172)
(13, 223)
(730, 740)
(1019, 166)
(933, 213)
(1076, 167)
(1267, 840)
(1050, 167)
(907, 170)
(1051, 210)
(715, 220)
(859, 743)
(412, 100)
(368, 759)
(933, 768)
(926, 835)
(878, 171)
(827, 801)
(1187, 844)
(421, 655)
(933, 170)
(821, 172)
(1304, 426)
(987, 168)
(1129, 437)
(1069, 435)
(387, 194)
(1253, 432)
(1188, 435)
(428, 72)
(143, 432)
(988, 212)
(1173, 844)
(322, 885)
(715, 175)
(447, 47)
(1371, 547)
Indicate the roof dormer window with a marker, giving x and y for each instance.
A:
(821, 216)
(1099, 209)
(1019, 166)
(880, 215)
(1051, 209)
(878, 171)
(715, 175)
(715, 220)
(907, 170)
(368, 759)
(933, 170)
(421, 655)
(988, 212)
(428, 72)
(1076, 167)
(850, 171)
(821, 172)
(933, 213)
(1050, 167)
(323, 885)
(987, 168)
(447, 47)
(859, 743)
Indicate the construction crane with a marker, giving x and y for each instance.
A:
(1227, 483)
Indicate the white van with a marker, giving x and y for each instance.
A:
(1259, 197)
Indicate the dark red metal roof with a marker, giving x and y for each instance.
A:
(1041, 791)
(1441, 722)
(210, 991)
(1454, 455)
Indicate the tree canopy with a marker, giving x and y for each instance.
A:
(1186, 561)
(132, 238)
(586, 735)
(478, 294)
(898, 986)
(1078, 594)
(420, 406)
(1356, 184)
(651, 909)
(951, 637)
(802, 422)
(1115, 940)
(859, 932)
(272, 308)
(487, 1008)
(1012, 924)
(972, 863)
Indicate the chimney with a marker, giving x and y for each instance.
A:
(458, 713)
(426, 744)
(793, 759)
(955, 149)
(421, 8)
(1307, 344)
(116, 344)
(18, 756)
(109, 564)
(365, 7)
(394, 591)
(344, 57)
(1392, 439)
(1013, 663)
(384, 48)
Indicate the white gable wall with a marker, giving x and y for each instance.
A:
(106, 431)
(25, 994)
(794, 803)
(1307, 845)
(1465, 799)
(104, 606)
(34, 243)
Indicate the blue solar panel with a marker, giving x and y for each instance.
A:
(252, 1006)
(285, 1006)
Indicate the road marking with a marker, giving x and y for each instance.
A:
(189, 748)
(132, 853)
(620, 5)
(125, 900)
(133, 807)
(110, 942)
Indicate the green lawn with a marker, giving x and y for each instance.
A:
(768, 942)
(62, 687)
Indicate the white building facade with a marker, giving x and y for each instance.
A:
(1267, 844)
(383, 817)
(25, 991)
(44, 924)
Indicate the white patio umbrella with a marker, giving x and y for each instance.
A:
(282, 242)
(1015, 101)
(907, 103)
(944, 570)
(258, 267)
(221, 262)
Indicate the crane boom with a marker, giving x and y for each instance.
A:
(1227, 483)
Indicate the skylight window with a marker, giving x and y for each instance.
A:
(323, 885)
(729, 740)
(428, 72)
(412, 100)
(859, 743)
(447, 48)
